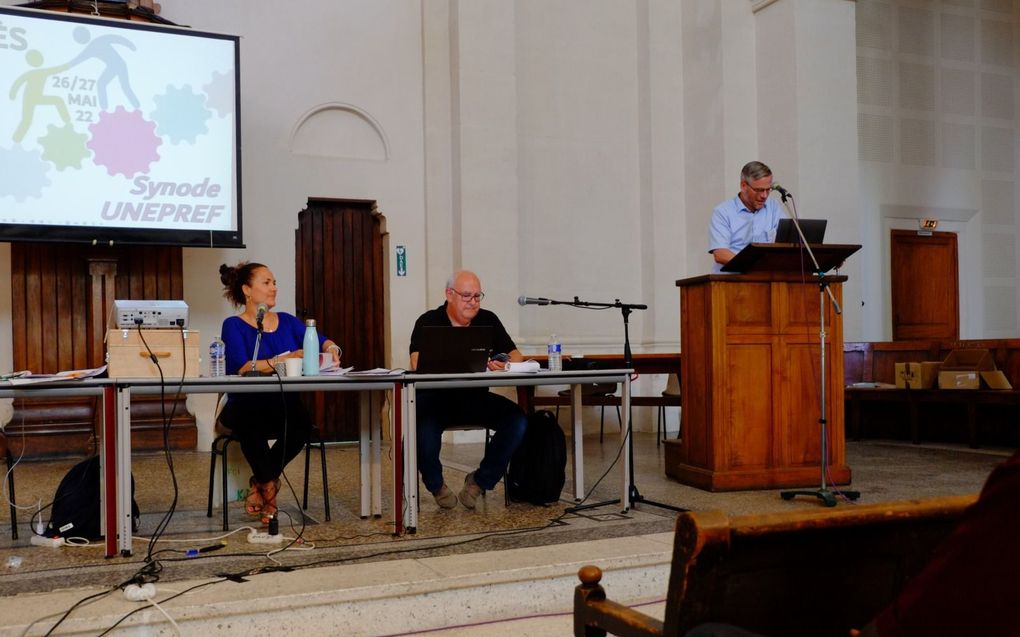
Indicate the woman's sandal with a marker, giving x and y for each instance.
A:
(269, 491)
(254, 503)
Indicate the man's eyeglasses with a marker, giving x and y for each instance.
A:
(469, 296)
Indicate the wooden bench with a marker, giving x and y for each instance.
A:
(875, 362)
(805, 572)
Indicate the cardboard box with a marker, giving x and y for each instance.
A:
(923, 375)
(128, 357)
(962, 368)
(995, 380)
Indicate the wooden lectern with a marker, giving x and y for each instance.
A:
(750, 373)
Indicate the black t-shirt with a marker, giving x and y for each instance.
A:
(501, 341)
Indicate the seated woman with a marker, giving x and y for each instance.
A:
(254, 419)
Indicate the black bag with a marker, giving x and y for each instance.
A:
(76, 503)
(538, 467)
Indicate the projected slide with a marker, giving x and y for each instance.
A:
(108, 126)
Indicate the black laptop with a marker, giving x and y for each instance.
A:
(449, 350)
(814, 231)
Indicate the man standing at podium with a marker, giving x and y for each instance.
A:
(750, 217)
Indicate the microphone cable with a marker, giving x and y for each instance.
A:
(164, 523)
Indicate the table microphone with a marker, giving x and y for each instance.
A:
(260, 314)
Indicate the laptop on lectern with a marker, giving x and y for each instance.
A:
(451, 350)
(813, 229)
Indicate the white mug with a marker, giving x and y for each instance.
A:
(293, 366)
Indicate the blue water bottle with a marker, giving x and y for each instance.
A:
(310, 361)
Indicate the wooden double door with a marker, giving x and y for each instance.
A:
(340, 282)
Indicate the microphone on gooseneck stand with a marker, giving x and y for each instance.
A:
(260, 315)
(782, 191)
(527, 300)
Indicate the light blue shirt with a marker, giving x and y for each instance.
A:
(733, 226)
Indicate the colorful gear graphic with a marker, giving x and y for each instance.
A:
(24, 173)
(180, 114)
(220, 93)
(64, 147)
(124, 142)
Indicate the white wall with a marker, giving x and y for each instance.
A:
(937, 93)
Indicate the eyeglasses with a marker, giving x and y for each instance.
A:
(760, 191)
(468, 296)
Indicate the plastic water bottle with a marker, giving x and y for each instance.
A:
(217, 358)
(310, 361)
(555, 355)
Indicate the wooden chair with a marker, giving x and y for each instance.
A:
(805, 572)
(220, 445)
(602, 391)
(670, 394)
(10, 485)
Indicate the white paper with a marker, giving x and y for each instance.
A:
(73, 374)
(523, 366)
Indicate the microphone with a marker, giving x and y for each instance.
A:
(260, 314)
(527, 300)
(782, 191)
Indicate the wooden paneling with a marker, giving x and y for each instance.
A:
(61, 298)
(925, 287)
(747, 430)
(340, 284)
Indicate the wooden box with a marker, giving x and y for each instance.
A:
(176, 351)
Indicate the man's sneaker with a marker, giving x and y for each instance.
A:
(469, 494)
(445, 497)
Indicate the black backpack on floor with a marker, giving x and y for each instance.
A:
(76, 504)
(538, 467)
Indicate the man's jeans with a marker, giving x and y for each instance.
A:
(439, 409)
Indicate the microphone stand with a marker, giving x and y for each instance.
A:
(826, 495)
(634, 496)
(255, 356)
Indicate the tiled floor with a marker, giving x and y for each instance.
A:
(882, 471)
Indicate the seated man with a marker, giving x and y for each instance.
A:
(750, 217)
(442, 408)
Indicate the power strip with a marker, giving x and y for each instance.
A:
(259, 537)
(42, 540)
(136, 593)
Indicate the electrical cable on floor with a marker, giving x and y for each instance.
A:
(172, 597)
(491, 622)
(81, 603)
(177, 629)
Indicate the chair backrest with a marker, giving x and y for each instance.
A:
(587, 364)
(672, 385)
(807, 572)
(219, 427)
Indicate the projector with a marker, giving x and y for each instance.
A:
(130, 313)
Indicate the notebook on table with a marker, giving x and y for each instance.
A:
(813, 229)
(451, 350)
